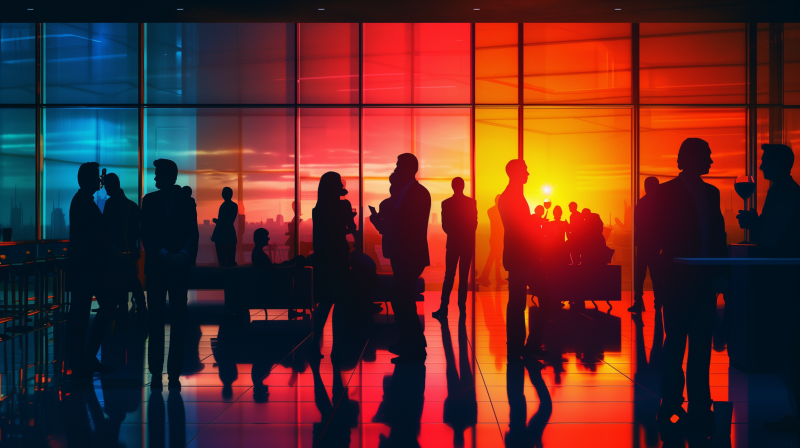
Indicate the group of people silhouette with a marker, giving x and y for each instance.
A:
(680, 218)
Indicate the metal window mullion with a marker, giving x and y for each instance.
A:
(360, 134)
(520, 91)
(297, 209)
(38, 145)
(635, 140)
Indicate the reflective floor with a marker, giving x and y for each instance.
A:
(252, 385)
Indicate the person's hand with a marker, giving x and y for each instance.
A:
(214, 220)
(178, 260)
(747, 218)
(719, 284)
(163, 254)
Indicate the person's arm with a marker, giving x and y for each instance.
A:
(149, 241)
(351, 220)
(446, 217)
(193, 239)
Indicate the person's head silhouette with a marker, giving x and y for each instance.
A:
(538, 211)
(227, 193)
(694, 157)
(112, 185)
(557, 212)
(89, 176)
(330, 187)
(650, 184)
(776, 162)
(166, 173)
(261, 237)
(517, 171)
(586, 212)
(407, 167)
(573, 207)
(458, 186)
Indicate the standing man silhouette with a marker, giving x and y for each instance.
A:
(406, 228)
(645, 256)
(88, 256)
(776, 236)
(518, 254)
(224, 235)
(495, 248)
(688, 223)
(170, 236)
(459, 222)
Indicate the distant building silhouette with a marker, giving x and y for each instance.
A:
(279, 218)
(58, 223)
(16, 218)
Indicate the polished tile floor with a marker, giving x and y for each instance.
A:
(252, 385)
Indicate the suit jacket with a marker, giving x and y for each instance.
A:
(776, 229)
(87, 250)
(516, 216)
(459, 219)
(408, 227)
(120, 221)
(675, 230)
(171, 227)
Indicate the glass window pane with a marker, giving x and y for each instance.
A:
(328, 63)
(584, 156)
(577, 63)
(440, 138)
(220, 63)
(692, 63)
(791, 63)
(249, 150)
(75, 136)
(762, 76)
(328, 142)
(663, 131)
(17, 63)
(496, 63)
(417, 63)
(91, 63)
(18, 173)
(496, 143)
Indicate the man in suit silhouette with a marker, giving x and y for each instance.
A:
(519, 259)
(688, 223)
(408, 230)
(170, 236)
(88, 258)
(644, 250)
(775, 233)
(459, 222)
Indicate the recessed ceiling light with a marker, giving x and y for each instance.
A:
(320, 9)
(617, 9)
(180, 9)
(30, 9)
(476, 9)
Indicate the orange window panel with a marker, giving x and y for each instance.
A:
(496, 63)
(328, 62)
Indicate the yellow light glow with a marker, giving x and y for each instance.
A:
(547, 189)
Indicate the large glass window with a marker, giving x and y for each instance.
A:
(329, 66)
(496, 63)
(583, 156)
(692, 63)
(440, 138)
(18, 173)
(249, 150)
(663, 131)
(17, 63)
(91, 63)
(577, 63)
(791, 64)
(328, 142)
(220, 63)
(75, 136)
(417, 63)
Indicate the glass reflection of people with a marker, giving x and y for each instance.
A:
(121, 229)
(401, 409)
(645, 255)
(224, 235)
(522, 433)
(459, 222)
(688, 223)
(775, 232)
(405, 233)
(88, 256)
(519, 255)
(170, 236)
(495, 249)
(647, 375)
(461, 405)
(333, 221)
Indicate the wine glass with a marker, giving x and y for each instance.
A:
(745, 186)
(547, 205)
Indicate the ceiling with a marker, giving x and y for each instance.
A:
(641, 11)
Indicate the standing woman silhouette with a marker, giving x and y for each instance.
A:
(333, 221)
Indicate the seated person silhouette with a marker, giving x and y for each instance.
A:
(594, 251)
(261, 259)
(224, 236)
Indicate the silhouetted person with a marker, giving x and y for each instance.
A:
(88, 258)
(775, 232)
(333, 221)
(461, 405)
(645, 255)
(573, 240)
(292, 232)
(459, 222)
(383, 217)
(495, 248)
(121, 231)
(519, 259)
(405, 232)
(556, 252)
(364, 275)
(688, 223)
(522, 433)
(260, 258)
(594, 250)
(224, 236)
(170, 237)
